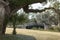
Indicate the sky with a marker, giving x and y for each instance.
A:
(40, 6)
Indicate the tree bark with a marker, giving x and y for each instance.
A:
(14, 29)
(2, 12)
(4, 24)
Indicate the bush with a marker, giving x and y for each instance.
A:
(34, 28)
(56, 29)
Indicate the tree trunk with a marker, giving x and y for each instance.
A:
(58, 20)
(4, 28)
(14, 29)
(6, 18)
(1, 25)
(2, 12)
(4, 25)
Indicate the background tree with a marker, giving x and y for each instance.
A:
(13, 6)
(57, 7)
(17, 19)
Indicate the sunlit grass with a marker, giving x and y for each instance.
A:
(38, 35)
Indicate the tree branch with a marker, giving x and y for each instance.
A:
(35, 11)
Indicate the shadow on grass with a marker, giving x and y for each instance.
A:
(16, 37)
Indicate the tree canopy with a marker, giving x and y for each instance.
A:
(17, 4)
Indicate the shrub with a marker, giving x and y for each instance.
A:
(56, 29)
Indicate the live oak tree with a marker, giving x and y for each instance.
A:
(2, 14)
(17, 19)
(11, 6)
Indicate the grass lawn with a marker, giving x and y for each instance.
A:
(26, 34)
